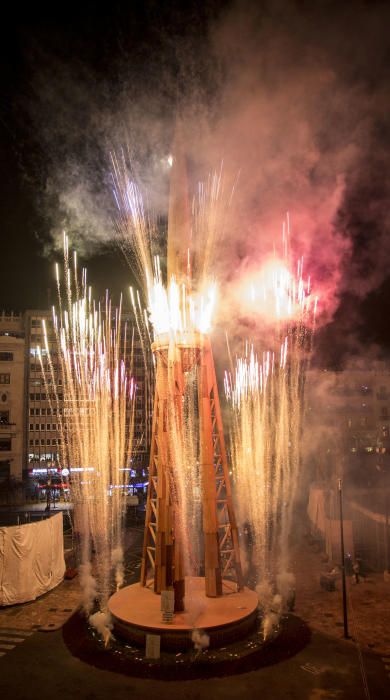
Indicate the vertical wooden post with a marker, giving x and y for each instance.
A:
(221, 547)
(175, 380)
(210, 526)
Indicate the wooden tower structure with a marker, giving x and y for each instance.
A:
(187, 352)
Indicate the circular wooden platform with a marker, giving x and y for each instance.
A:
(136, 612)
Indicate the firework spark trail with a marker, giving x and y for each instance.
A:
(142, 324)
(209, 213)
(266, 397)
(96, 427)
(177, 311)
(136, 231)
(184, 448)
(174, 310)
(278, 294)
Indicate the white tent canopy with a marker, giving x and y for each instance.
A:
(31, 560)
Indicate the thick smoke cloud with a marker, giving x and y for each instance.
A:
(300, 114)
(290, 96)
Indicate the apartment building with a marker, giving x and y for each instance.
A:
(348, 417)
(42, 426)
(43, 414)
(12, 395)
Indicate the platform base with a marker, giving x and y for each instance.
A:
(135, 612)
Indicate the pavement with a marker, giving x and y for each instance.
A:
(48, 612)
(368, 603)
(42, 667)
(36, 662)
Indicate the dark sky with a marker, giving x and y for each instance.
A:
(82, 36)
(70, 63)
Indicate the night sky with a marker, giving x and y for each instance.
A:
(77, 79)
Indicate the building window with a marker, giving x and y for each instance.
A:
(384, 412)
(5, 469)
(5, 378)
(6, 356)
(31, 426)
(36, 442)
(5, 444)
(4, 417)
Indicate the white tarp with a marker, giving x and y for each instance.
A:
(316, 509)
(329, 527)
(31, 559)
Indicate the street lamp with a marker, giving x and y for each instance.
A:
(346, 635)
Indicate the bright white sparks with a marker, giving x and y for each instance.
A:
(176, 310)
(276, 293)
(92, 357)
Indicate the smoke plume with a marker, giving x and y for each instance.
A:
(290, 97)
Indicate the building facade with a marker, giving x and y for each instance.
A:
(354, 403)
(347, 435)
(12, 396)
(46, 405)
(43, 409)
(347, 425)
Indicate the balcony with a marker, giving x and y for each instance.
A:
(7, 429)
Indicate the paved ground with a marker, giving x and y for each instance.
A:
(368, 603)
(42, 667)
(38, 664)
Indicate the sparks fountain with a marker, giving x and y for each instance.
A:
(192, 588)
